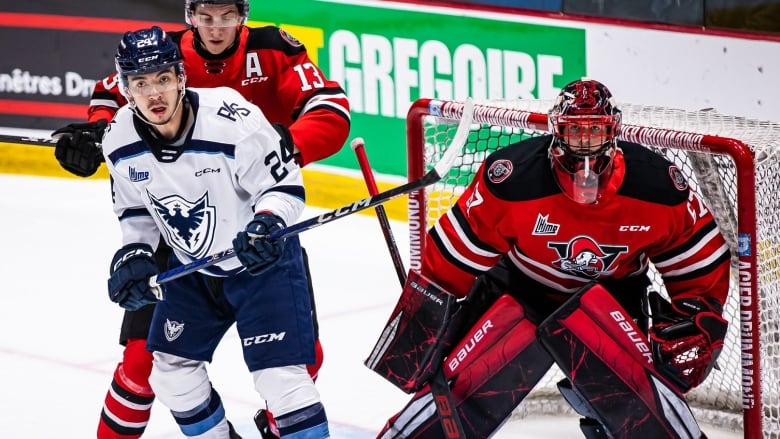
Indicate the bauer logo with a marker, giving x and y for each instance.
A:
(743, 245)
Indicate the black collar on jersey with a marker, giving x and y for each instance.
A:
(164, 150)
(197, 44)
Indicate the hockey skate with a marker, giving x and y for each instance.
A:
(232, 432)
(266, 425)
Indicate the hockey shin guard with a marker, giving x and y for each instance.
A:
(607, 359)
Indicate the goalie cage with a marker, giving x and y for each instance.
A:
(732, 162)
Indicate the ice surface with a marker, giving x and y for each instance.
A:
(59, 330)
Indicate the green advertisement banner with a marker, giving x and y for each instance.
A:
(387, 58)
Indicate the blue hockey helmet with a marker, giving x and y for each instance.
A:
(146, 51)
(190, 5)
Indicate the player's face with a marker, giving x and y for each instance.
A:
(585, 135)
(156, 95)
(216, 25)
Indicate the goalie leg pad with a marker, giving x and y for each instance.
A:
(490, 371)
(414, 339)
(608, 361)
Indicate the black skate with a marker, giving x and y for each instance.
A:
(233, 434)
(264, 425)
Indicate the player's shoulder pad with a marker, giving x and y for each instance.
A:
(216, 96)
(176, 35)
(225, 105)
(272, 37)
(520, 171)
(651, 177)
(120, 131)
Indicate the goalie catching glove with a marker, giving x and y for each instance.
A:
(686, 338)
(255, 251)
(78, 147)
(131, 268)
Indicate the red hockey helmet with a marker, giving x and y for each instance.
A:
(584, 122)
(242, 5)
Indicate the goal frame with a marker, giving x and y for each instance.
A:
(746, 224)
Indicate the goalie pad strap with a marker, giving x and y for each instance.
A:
(607, 358)
(493, 367)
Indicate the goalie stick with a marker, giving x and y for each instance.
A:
(445, 405)
(443, 166)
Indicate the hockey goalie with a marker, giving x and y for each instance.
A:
(534, 266)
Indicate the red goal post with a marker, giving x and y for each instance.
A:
(732, 162)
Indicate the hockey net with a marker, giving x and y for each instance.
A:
(731, 162)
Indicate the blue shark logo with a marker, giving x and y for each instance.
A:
(189, 225)
(138, 175)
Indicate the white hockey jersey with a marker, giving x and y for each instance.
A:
(199, 195)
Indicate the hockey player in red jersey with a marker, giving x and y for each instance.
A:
(271, 69)
(558, 232)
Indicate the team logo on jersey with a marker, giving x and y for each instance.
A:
(582, 256)
(678, 178)
(291, 40)
(544, 226)
(188, 225)
(499, 171)
(230, 111)
(173, 329)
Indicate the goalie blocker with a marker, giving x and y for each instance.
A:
(605, 356)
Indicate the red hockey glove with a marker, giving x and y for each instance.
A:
(687, 341)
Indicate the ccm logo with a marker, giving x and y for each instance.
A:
(634, 228)
(207, 171)
(265, 338)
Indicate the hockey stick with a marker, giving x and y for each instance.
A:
(440, 389)
(358, 145)
(25, 140)
(446, 162)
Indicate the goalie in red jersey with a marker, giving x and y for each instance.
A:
(271, 69)
(548, 249)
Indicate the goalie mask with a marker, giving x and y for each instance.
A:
(191, 16)
(584, 122)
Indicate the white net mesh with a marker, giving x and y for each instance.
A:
(693, 140)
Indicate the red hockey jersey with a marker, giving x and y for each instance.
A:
(514, 208)
(271, 69)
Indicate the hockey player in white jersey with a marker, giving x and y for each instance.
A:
(204, 170)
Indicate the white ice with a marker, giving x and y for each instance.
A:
(59, 330)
